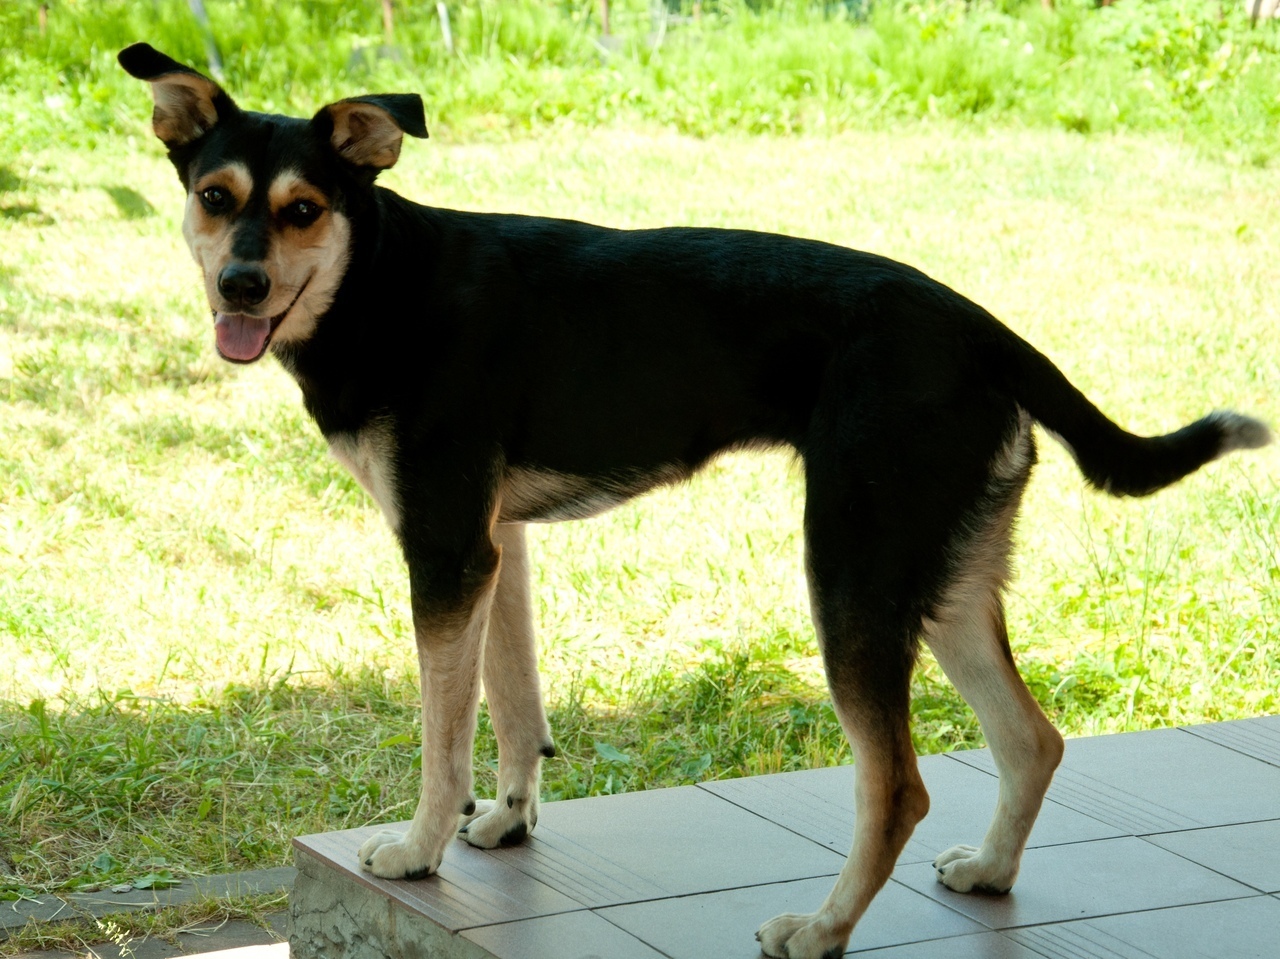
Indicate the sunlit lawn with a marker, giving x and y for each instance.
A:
(212, 620)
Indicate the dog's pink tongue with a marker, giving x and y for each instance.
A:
(241, 337)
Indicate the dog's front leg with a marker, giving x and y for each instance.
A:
(450, 636)
(514, 695)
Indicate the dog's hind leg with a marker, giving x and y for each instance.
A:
(868, 642)
(968, 637)
(513, 693)
(969, 640)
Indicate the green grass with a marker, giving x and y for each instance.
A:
(207, 622)
(76, 934)
(775, 66)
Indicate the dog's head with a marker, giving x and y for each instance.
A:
(270, 199)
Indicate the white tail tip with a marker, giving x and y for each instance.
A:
(1241, 432)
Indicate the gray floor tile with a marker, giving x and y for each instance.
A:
(723, 924)
(1259, 738)
(1240, 929)
(1158, 781)
(1236, 851)
(818, 804)
(1061, 883)
(984, 945)
(473, 887)
(574, 935)
(669, 842)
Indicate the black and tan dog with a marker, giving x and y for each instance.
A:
(479, 372)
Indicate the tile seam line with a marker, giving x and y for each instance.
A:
(1047, 940)
(955, 754)
(1214, 741)
(1124, 912)
(1219, 872)
(782, 882)
(565, 876)
(1067, 779)
(1061, 845)
(628, 932)
(507, 922)
(915, 862)
(763, 818)
(713, 892)
(1136, 912)
(1207, 826)
(570, 856)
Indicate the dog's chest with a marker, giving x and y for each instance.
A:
(368, 455)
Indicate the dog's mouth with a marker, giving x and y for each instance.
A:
(243, 338)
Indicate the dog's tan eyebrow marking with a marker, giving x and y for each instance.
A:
(290, 185)
(233, 177)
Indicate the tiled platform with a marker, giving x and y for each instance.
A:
(1155, 845)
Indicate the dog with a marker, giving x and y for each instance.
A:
(477, 372)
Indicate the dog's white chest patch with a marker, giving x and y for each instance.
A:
(368, 455)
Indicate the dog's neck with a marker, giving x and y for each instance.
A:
(345, 367)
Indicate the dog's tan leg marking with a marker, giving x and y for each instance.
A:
(449, 654)
(969, 640)
(870, 694)
(514, 694)
(890, 799)
(972, 648)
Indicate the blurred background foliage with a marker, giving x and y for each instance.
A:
(1198, 69)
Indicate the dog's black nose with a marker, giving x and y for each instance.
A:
(243, 285)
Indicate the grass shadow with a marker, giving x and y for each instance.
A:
(10, 182)
(131, 204)
(223, 780)
(18, 211)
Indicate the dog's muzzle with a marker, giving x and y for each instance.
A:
(243, 338)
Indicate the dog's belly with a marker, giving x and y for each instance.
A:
(549, 496)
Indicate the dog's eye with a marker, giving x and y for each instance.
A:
(301, 212)
(215, 199)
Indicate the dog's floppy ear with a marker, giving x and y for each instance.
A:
(188, 103)
(367, 131)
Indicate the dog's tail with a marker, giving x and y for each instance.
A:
(1111, 458)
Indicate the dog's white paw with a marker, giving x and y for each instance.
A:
(504, 823)
(967, 869)
(388, 856)
(792, 936)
